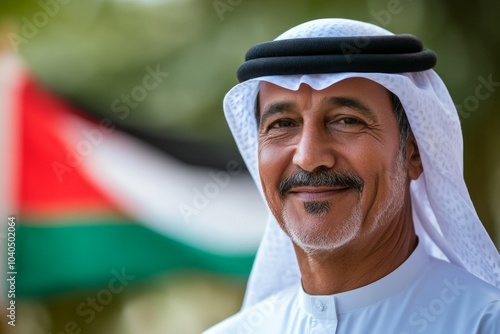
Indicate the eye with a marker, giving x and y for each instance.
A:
(350, 121)
(281, 123)
(345, 123)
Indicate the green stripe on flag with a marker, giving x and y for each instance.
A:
(53, 260)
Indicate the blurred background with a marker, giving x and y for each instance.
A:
(134, 211)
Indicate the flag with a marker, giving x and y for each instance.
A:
(90, 199)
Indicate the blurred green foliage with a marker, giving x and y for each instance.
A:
(94, 51)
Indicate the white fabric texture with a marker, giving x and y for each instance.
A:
(444, 216)
(423, 295)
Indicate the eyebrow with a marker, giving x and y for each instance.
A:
(276, 108)
(328, 101)
(349, 102)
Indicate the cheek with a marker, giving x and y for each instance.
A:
(273, 162)
(375, 164)
(378, 168)
(360, 158)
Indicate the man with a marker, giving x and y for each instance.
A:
(357, 148)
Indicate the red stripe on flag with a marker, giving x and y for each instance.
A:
(43, 116)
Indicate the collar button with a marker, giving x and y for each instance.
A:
(319, 306)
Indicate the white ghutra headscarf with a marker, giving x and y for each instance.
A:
(444, 216)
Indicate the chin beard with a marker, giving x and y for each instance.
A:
(319, 208)
(312, 241)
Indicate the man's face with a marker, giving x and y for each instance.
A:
(330, 162)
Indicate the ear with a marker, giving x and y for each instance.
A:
(414, 163)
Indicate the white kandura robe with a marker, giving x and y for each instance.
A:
(423, 295)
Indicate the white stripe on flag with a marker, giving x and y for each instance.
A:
(214, 211)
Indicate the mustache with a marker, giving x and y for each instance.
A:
(321, 178)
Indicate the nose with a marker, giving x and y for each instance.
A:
(314, 149)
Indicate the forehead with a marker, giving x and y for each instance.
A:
(369, 92)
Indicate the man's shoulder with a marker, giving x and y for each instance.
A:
(245, 319)
(447, 298)
(460, 282)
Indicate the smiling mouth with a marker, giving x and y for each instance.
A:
(316, 193)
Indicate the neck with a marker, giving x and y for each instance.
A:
(360, 263)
